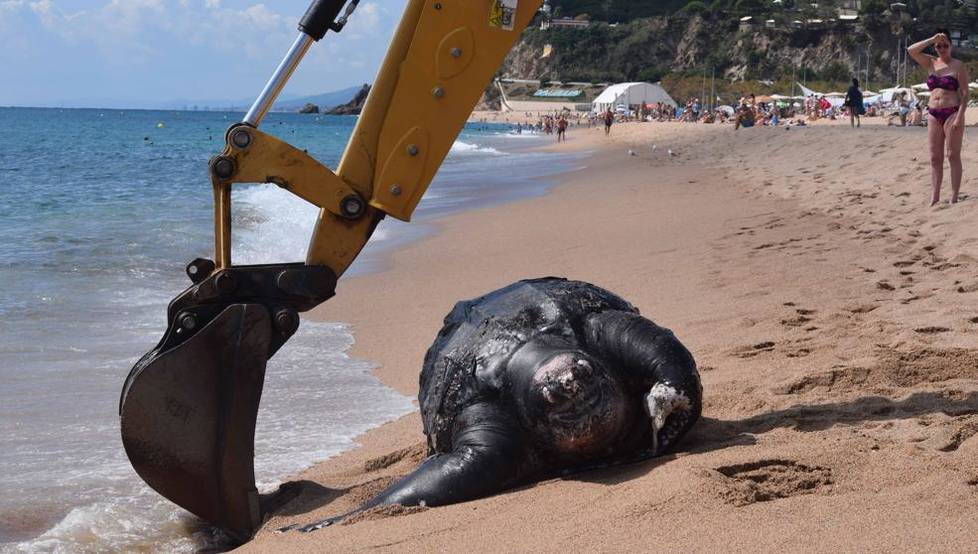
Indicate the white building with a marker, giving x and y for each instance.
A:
(850, 9)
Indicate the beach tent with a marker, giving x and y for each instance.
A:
(631, 94)
(832, 98)
(805, 91)
(888, 94)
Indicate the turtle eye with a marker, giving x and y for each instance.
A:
(583, 367)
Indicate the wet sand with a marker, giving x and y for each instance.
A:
(833, 315)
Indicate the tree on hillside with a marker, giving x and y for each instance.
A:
(694, 8)
(750, 7)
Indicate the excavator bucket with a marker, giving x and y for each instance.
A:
(189, 407)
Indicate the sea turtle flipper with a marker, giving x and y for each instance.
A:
(654, 357)
(486, 458)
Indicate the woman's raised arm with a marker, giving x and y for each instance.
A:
(916, 51)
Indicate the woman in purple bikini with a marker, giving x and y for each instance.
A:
(948, 83)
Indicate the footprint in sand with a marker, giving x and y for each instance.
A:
(928, 365)
(767, 480)
(953, 439)
(835, 380)
(798, 320)
(800, 353)
(862, 308)
(932, 330)
(973, 320)
(973, 287)
(751, 350)
(883, 285)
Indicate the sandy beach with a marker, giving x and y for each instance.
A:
(833, 317)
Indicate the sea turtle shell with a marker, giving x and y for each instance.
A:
(467, 362)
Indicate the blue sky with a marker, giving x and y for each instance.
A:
(137, 53)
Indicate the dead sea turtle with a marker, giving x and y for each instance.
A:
(543, 377)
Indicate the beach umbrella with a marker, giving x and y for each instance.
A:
(836, 94)
(869, 93)
(726, 109)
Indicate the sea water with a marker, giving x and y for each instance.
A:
(100, 211)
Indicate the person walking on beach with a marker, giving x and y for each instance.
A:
(854, 100)
(561, 128)
(948, 83)
(609, 118)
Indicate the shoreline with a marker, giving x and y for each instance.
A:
(696, 244)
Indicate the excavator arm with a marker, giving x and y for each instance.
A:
(189, 406)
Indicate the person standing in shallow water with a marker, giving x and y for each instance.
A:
(854, 100)
(948, 83)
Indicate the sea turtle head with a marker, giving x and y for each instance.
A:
(574, 405)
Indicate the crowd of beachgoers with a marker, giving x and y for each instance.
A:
(748, 111)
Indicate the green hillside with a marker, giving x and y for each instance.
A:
(955, 14)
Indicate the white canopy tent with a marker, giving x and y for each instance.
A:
(888, 94)
(631, 94)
